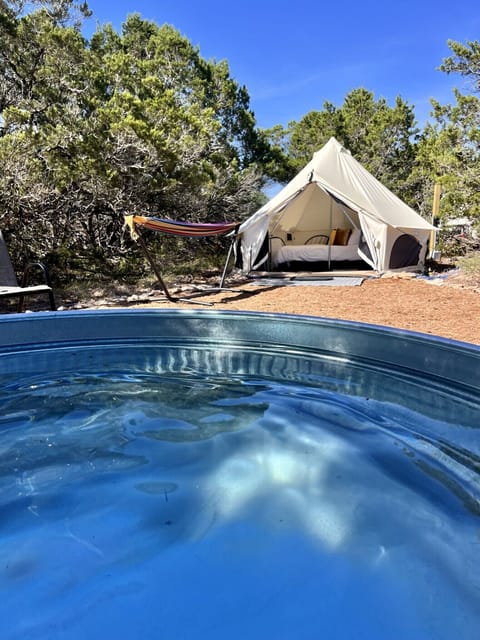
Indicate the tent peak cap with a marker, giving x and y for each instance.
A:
(333, 143)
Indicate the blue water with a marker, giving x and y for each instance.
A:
(179, 501)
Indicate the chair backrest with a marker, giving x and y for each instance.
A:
(7, 273)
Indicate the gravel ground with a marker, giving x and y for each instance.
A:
(442, 306)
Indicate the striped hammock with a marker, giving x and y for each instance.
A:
(174, 227)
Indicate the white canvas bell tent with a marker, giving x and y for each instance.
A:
(335, 192)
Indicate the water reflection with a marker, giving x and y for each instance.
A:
(121, 472)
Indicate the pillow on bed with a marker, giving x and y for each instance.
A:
(354, 236)
(342, 236)
(318, 239)
(333, 233)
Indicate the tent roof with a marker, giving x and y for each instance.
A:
(335, 170)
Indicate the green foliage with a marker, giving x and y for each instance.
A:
(465, 61)
(470, 263)
(449, 149)
(131, 122)
(137, 121)
(379, 136)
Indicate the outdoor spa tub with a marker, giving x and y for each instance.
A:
(200, 474)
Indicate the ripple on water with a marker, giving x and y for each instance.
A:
(251, 505)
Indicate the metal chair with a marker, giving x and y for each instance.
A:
(9, 287)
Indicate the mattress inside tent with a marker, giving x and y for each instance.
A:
(314, 253)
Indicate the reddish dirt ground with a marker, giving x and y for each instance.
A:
(448, 309)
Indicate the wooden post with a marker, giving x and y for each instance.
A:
(437, 190)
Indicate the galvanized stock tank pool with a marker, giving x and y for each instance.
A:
(199, 474)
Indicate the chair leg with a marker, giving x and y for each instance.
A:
(53, 306)
(21, 304)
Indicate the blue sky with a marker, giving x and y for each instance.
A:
(294, 55)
